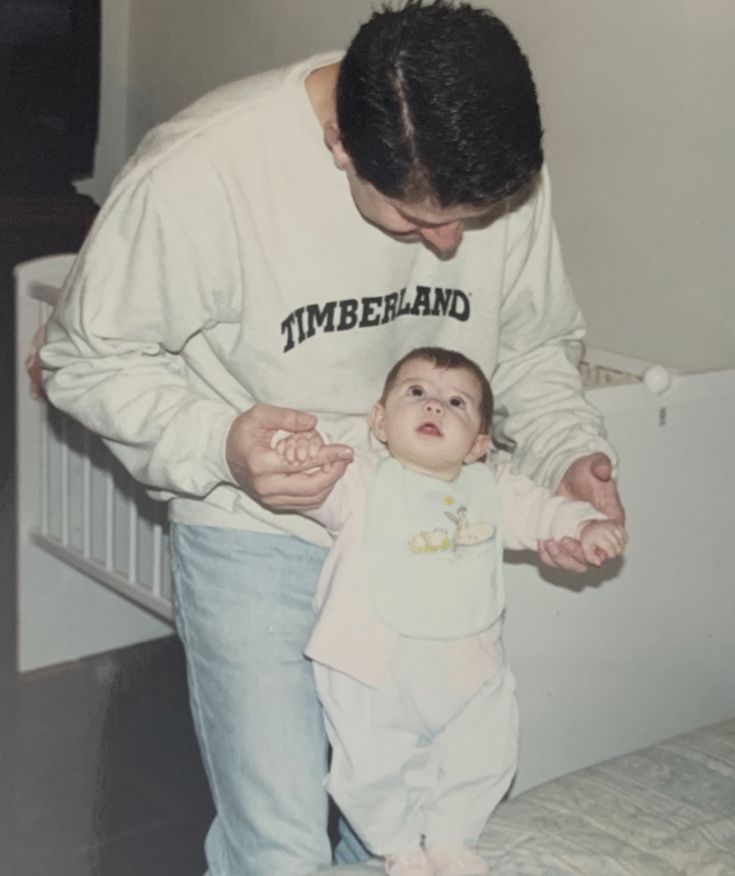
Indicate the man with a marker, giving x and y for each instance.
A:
(230, 285)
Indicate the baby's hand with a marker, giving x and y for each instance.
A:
(298, 447)
(602, 540)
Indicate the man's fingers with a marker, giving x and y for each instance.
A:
(288, 419)
(609, 503)
(300, 490)
(572, 548)
(590, 555)
(601, 466)
(569, 555)
(544, 555)
(590, 479)
(560, 556)
(556, 557)
(296, 485)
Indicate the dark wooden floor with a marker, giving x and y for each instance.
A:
(99, 769)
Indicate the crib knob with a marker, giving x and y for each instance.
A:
(657, 379)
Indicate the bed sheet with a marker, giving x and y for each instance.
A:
(666, 810)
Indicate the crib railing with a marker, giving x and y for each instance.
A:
(94, 517)
(76, 501)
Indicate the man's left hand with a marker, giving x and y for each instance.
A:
(588, 479)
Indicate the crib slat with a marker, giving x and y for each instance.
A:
(65, 498)
(44, 469)
(110, 578)
(43, 430)
(109, 520)
(86, 496)
(132, 535)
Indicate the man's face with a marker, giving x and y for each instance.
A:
(431, 419)
(440, 228)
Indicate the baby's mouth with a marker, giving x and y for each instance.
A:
(429, 428)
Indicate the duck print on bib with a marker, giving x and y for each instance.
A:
(433, 552)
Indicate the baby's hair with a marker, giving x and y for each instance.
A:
(449, 359)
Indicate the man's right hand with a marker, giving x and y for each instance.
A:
(266, 476)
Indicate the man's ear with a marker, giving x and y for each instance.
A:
(376, 421)
(333, 140)
(479, 448)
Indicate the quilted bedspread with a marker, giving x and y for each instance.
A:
(666, 810)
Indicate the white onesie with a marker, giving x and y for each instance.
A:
(408, 657)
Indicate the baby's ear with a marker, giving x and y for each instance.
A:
(479, 448)
(376, 421)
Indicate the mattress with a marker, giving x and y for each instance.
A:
(666, 810)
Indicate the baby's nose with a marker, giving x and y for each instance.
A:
(433, 405)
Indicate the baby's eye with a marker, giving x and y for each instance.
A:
(417, 391)
(456, 401)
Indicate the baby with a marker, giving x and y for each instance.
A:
(419, 702)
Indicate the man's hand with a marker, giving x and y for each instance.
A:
(589, 479)
(266, 475)
(33, 365)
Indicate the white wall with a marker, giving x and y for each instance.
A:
(112, 142)
(638, 108)
(181, 48)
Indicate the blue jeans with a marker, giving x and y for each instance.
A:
(242, 604)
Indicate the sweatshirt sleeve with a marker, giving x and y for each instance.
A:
(540, 403)
(531, 513)
(140, 289)
(346, 498)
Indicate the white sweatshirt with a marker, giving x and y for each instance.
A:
(229, 266)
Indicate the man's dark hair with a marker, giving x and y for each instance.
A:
(435, 100)
(448, 359)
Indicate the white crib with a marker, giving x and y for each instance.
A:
(605, 664)
(81, 519)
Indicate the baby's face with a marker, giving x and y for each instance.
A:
(431, 419)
